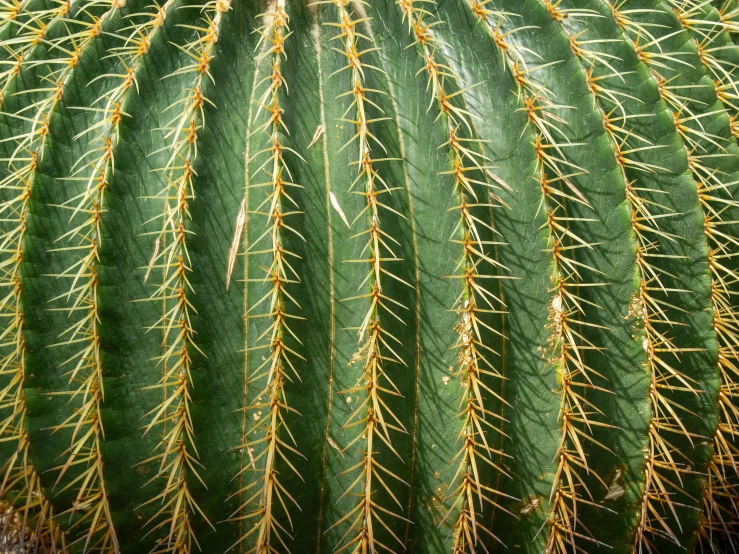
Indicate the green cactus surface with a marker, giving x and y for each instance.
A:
(364, 277)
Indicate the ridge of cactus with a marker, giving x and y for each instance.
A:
(665, 456)
(373, 417)
(617, 118)
(622, 133)
(568, 315)
(267, 492)
(715, 183)
(728, 14)
(470, 168)
(321, 128)
(26, 28)
(411, 274)
(85, 374)
(27, 153)
(176, 456)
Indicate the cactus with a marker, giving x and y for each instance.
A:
(362, 277)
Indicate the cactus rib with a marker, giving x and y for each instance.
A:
(663, 457)
(470, 170)
(567, 345)
(82, 295)
(279, 367)
(716, 192)
(374, 417)
(31, 31)
(24, 162)
(176, 451)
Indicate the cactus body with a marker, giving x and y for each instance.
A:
(412, 275)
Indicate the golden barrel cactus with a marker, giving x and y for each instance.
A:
(369, 276)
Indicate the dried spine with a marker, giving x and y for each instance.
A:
(567, 346)
(269, 440)
(373, 417)
(470, 170)
(176, 454)
(20, 477)
(95, 168)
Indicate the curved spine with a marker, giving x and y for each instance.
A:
(176, 454)
(267, 493)
(567, 346)
(95, 169)
(373, 416)
(20, 476)
(470, 169)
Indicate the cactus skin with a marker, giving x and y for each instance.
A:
(405, 275)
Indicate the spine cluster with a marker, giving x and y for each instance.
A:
(20, 477)
(176, 454)
(567, 346)
(373, 418)
(471, 173)
(270, 443)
